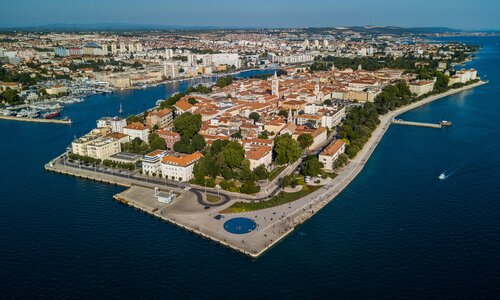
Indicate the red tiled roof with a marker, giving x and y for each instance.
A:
(182, 161)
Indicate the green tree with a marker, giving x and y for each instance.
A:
(261, 173)
(264, 135)
(237, 135)
(311, 166)
(286, 149)
(341, 161)
(156, 142)
(210, 183)
(254, 116)
(287, 180)
(249, 187)
(136, 146)
(283, 113)
(192, 101)
(441, 84)
(199, 171)
(133, 119)
(228, 185)
(305, 140)
(328, 102)
(187, 124)
(233, 154)
(218, 146)
(184, 145)
(224, 81)
(198, 142)
(11, 97)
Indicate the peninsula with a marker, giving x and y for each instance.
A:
(242, 162)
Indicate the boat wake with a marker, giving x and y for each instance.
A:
(445, 175)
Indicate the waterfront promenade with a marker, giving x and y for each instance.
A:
(273, 224)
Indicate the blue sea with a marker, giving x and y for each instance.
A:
(395, 232)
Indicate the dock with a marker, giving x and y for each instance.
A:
(37, 120)
(419, 124)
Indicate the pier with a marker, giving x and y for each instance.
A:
(37, 120)
(419, 124)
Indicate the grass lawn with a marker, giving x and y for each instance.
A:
(276, 172)
(213, 198)
(282, 198)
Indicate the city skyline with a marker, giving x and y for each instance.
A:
(258, 14)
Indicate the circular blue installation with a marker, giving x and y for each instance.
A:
(240, 225)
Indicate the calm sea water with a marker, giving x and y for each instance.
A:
(395, 232)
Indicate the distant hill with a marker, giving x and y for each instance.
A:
(106, 27)
(385, 29)
(145, 27)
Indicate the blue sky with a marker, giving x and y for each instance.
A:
(476, 14)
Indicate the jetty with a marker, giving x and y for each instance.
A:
(420, 124)
(37, 120)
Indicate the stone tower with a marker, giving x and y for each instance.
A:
(275, 85)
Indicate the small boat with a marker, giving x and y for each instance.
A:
(66, 119)
(442, 176)
(445, 123)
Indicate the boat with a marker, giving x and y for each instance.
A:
(442, 176)
(52, 115)
(67, 120)
(445, 123)
(32, 113)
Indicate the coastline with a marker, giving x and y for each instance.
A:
(356, 164)
(274, 223)
(183, 79)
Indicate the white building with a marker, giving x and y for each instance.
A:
(116, 124)
(230, 59)
(180, 167)
(332, 118)
(151, 162)
(330, 154)
(95, 145)
(170, 69)
(421, 87)
(260, 155)
(169, 53)
(103, 148)
(137, 130)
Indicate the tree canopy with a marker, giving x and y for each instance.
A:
(156, 142)
(392, 97)
(305, 140)
(136, 146)
(224, 81)
(286, 149)
(254, 116)
(358, 126)
(187, 124)
(311, 166)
